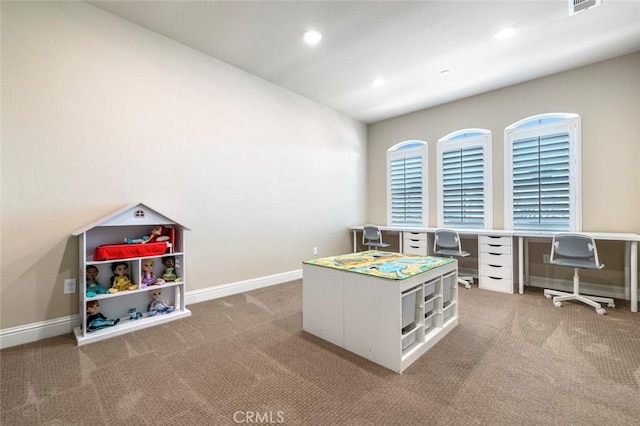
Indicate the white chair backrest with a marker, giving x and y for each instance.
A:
(446, 238)
(574, 245)
(371, 233)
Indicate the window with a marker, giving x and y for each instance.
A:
(464, 179)
(542, 173)
(407, 184)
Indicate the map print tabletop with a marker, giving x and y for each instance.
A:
(383, 264)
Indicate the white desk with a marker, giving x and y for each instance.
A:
(630, 257)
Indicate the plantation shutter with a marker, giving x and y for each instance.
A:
(406, 190)
(463, 187)
(541, 176)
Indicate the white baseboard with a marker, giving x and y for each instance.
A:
(28, 333)
(37, 331)
(224, 290)
(593, 289)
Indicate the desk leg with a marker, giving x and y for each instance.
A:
(520, 265)
(627, 271)
(634, 276)
(355, 242)
(526, 262)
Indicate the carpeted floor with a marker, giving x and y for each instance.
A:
(243, 359)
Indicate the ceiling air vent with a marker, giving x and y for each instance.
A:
(576, 6)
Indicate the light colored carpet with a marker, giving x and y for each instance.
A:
(243, 359)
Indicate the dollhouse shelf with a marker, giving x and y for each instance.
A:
(132, 221)
(127, 325)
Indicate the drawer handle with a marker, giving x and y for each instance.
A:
(494, 278)
(496, 266)
(494, 254)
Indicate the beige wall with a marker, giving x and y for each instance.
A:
(607, 97)
(98, 113)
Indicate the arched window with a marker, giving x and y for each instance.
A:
(543, 173)
(464, 179)
(407, 184)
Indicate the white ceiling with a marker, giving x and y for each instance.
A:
(407, 43)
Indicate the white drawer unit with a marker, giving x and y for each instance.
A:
(495, 240)
(414, 243)
(494, 247)
(495, 263)
(496, 271)
(504, 285)
(501, 259)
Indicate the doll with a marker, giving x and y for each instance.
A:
(157, 305)
(156, 234)
(95, 320)
(93, 286)
(134, 314)
(169, 267)
(148, 277)
(121, 280)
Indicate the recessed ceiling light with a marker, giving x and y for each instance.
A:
(506, 32)
(312, 37)
(444, 72)
(378, 81)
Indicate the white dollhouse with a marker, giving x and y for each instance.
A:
(102, 246)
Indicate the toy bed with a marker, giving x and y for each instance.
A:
(127, 251)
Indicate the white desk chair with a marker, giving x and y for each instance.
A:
(576, 251)
(372, 237)
(447, 243)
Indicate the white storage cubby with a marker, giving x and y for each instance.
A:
(409, 299)
(412, 313)
(445, 299)
(379, 319)
(131, 222)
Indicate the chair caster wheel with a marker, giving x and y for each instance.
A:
(467, 287)
(611, 305)
(548, 296)
(557, 304)
(600, 311)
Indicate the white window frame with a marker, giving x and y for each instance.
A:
(399, 151)
(570, 123)
(452, 141)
